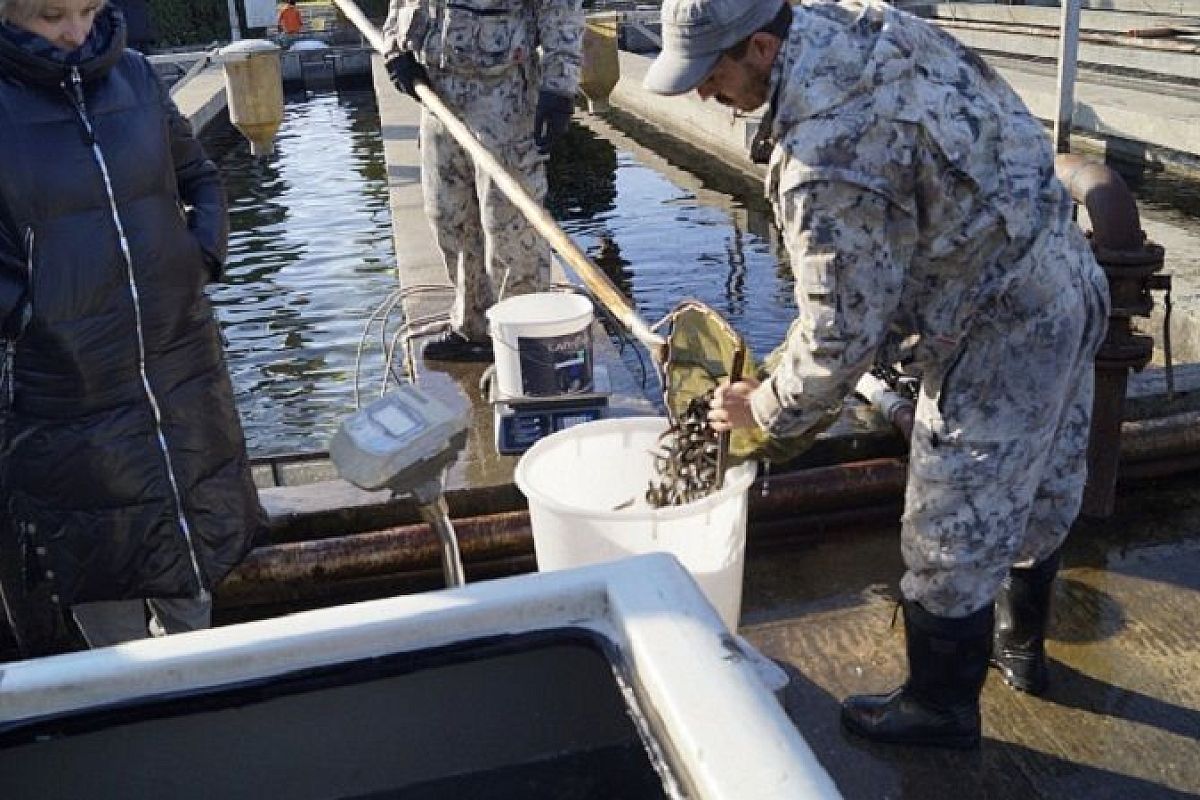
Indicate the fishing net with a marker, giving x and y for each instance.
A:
(703, 350)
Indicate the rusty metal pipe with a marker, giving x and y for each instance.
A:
(1160, 439)
(287, 569)
(863, 483)
(827, 488)
(508, 533)
(406, 547)
(1129, 262)
(770, 535)
(782, 507)
(1110, 205)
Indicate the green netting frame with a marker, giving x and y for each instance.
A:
(701, 346)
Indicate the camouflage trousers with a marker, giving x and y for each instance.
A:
(490, 249)
(999, 448)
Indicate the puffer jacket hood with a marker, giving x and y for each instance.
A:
(29, 64)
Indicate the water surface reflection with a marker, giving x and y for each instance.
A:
(311, 251)
(664, 234)
(310, 258)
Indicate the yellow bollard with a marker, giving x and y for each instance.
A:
(601, 67)
(254, 91)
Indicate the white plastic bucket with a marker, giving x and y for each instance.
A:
(575, 479)
(543, 344)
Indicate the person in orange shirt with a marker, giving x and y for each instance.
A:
(290, 22)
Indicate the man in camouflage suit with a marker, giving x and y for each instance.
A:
(509, 70)
(918, 202)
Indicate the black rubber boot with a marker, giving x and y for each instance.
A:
(454, 346)
(939, 703)
(1022, 612)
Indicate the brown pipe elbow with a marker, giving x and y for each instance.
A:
(1109, 203)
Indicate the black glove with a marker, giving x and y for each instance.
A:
(551, 119)
(406, 72)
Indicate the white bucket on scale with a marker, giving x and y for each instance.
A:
(542, 343)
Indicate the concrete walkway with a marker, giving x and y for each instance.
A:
(423, 279)
(201, 99)
(716, 129)
(1113, 108)
(1121, 719)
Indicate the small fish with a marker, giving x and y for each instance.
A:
(686, 459)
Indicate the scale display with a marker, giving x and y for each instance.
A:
(521, 421)
(399, 440)
(517, 431)
(397, 422)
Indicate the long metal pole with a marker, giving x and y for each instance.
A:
(1068, 61)
(596, 281)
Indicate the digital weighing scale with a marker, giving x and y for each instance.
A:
(522, 421)
(405, 441)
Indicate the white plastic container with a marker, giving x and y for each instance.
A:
(576, 479)
(543, 344)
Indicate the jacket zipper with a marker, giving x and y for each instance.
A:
(28, 310)
(7, 393)
(75, 93)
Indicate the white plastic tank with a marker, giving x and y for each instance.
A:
(586, 489)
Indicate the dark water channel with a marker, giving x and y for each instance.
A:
(311, 250)
(310, 258)
(665, 234)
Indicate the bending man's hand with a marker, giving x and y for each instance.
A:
(730, 406)
(551, 119)
(406, 72)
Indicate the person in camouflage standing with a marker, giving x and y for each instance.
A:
(918, 202)
(509, 70)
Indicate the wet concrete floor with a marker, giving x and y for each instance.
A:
(1121, 718)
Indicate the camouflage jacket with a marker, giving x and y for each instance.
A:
(910, 183)
(490, 37)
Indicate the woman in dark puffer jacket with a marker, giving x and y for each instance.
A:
(123, 470)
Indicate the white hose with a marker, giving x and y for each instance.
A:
(876, 392)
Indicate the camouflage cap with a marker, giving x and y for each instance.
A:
(694, 35)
